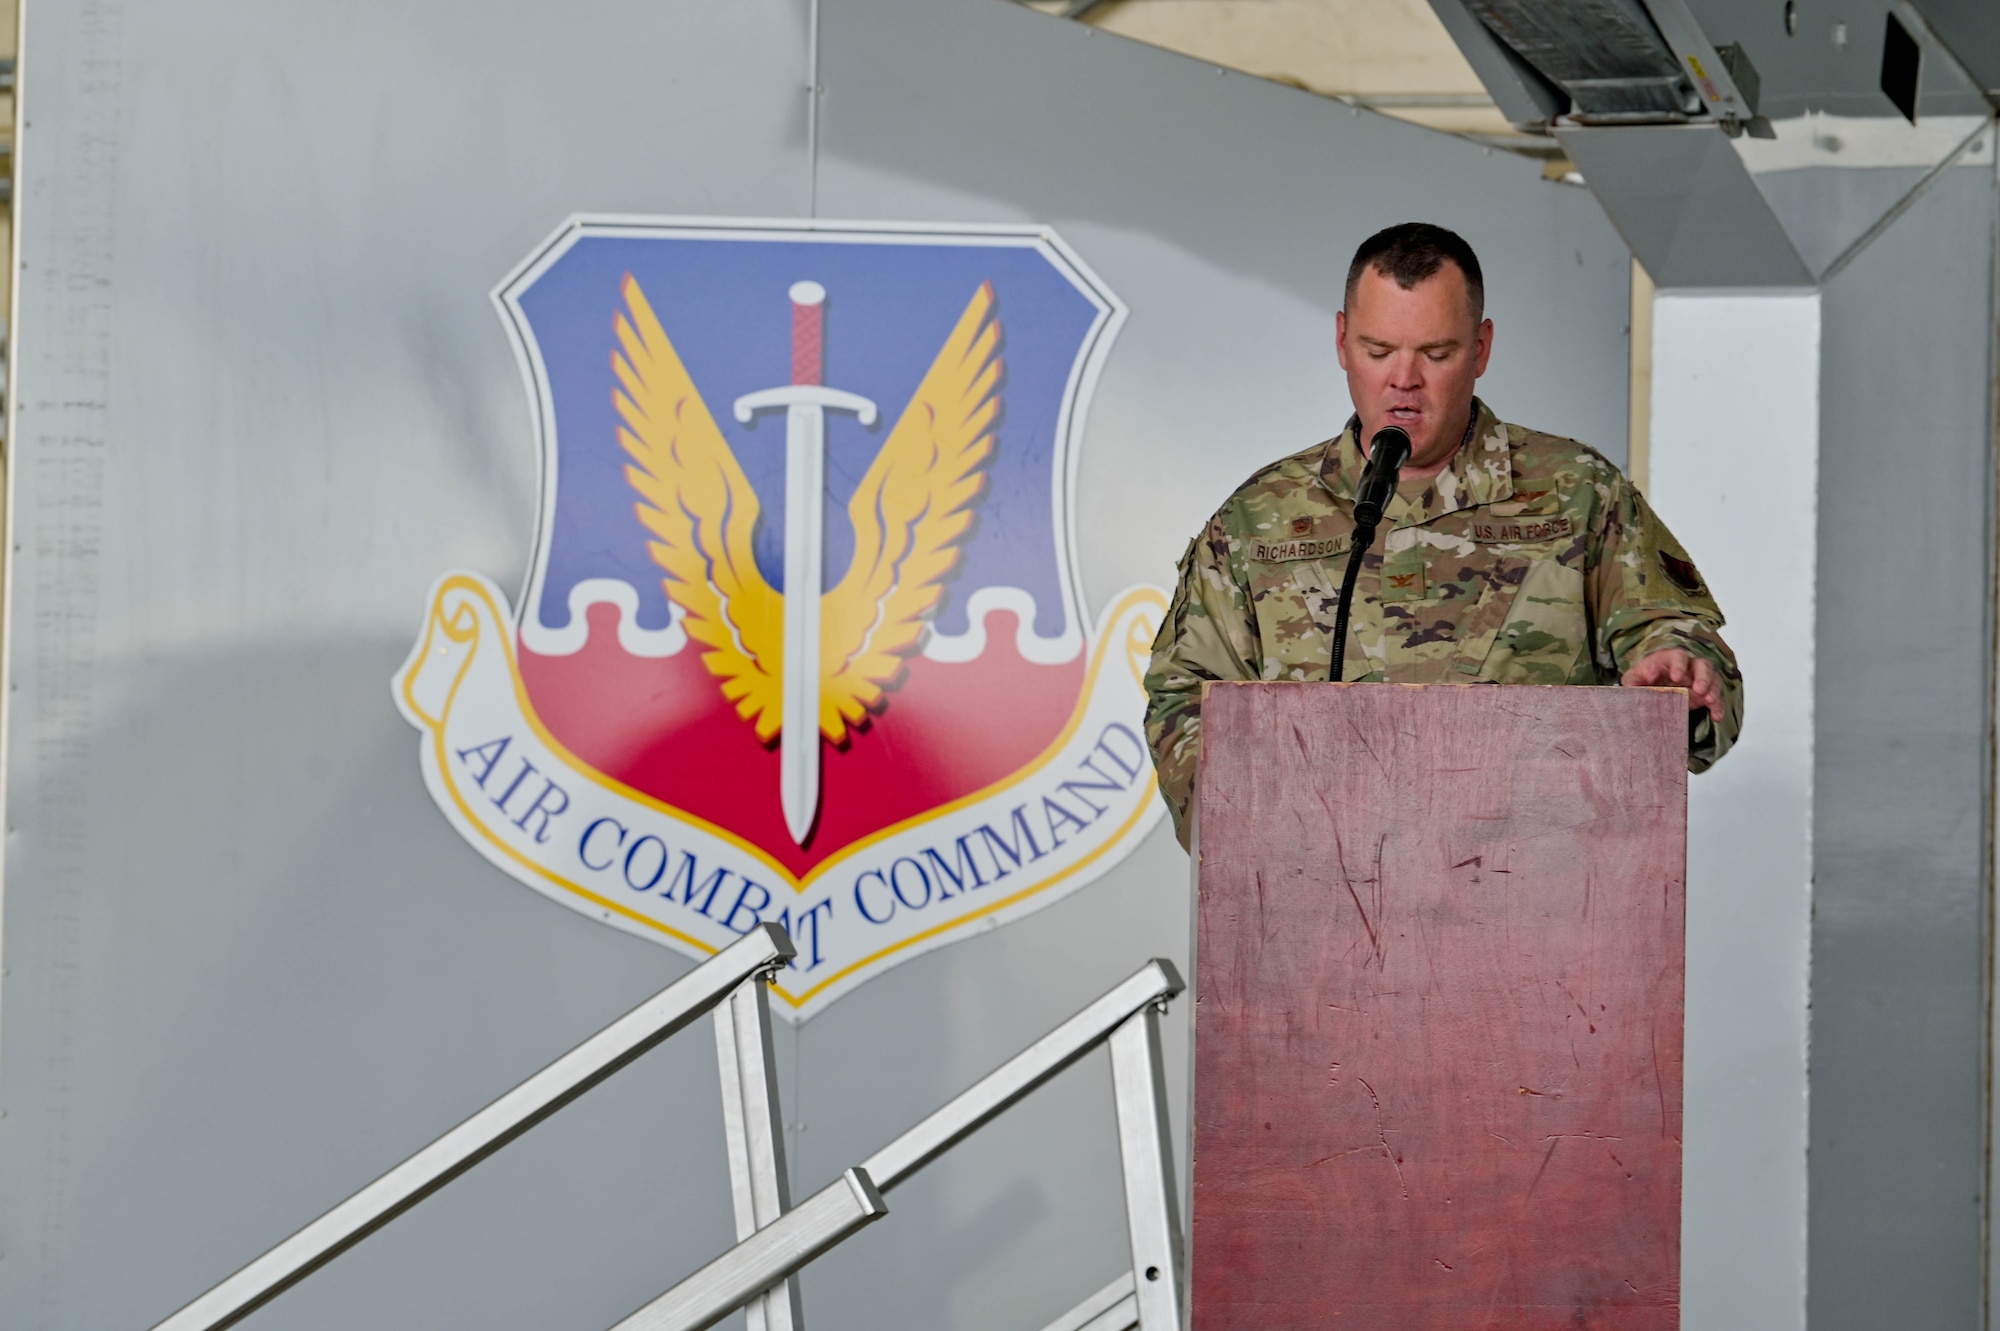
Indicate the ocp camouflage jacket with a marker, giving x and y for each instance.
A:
(1529, 560)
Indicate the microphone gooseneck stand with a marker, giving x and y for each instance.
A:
(1386, 456)
(1363, 538)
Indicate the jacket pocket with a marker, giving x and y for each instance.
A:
(1531, 627)
(1545, 634)
(1295, 609)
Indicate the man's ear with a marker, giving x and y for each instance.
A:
(1340, 339)
(1483, 347)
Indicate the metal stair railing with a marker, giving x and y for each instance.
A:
(776, 1239)
(764, 950)
(1148, 1296)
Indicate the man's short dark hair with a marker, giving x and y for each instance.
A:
(1413, 252)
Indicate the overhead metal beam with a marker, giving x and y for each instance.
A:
(1520, 90)
(1608, 55)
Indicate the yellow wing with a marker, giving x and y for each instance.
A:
(697, 503)
(910, 514)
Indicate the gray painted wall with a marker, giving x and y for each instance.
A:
(1902, 747)
(263, 402)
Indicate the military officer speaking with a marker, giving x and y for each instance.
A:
(1508, 557)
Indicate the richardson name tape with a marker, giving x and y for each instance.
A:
(1272, 552)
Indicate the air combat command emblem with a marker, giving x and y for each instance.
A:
(802, 638)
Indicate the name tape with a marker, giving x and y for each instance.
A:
(1541, 529)
(1273, 552)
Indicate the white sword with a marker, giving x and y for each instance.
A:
(806, 402)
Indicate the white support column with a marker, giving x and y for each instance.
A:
(1734, 473)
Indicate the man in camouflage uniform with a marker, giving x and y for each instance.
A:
(1507, 556)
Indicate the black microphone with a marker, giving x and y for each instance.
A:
(1386, 457)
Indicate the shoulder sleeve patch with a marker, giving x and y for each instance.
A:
(1681, 573)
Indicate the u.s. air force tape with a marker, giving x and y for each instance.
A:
(1532, 529)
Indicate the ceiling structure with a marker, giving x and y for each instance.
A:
(1860, 106)
(1400, 57)
(1390, 56)
(1733, 142)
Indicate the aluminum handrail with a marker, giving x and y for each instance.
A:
(1154, 984)
(761, 951)
(765, 1258)
(1113, 1308)
(774, 1240)
(1127, 1020)
(753, 1133)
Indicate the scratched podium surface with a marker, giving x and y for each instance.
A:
(1439, 999)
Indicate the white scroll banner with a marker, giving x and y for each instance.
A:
(600, 847)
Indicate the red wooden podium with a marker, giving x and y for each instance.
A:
(1439, 974)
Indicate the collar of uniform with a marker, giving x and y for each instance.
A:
(1481, 472)
(1341, 463)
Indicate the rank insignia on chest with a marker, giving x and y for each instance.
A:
(1402, 579)
(1302, 526)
